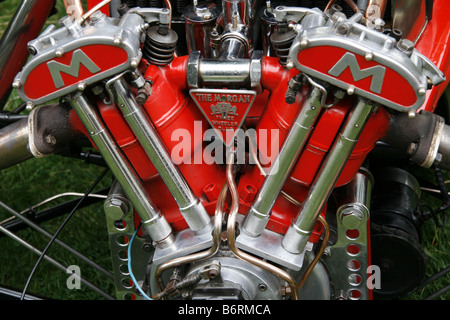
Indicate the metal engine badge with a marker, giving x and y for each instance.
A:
(224, 109)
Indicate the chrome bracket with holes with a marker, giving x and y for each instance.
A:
(121, 227)
(347, 260)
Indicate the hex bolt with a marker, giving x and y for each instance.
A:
(406, 46)
(411, 148)
(50, 139)
(351, 219)
(59, 52)
(116, 208)
(16, 84)
(32, 50)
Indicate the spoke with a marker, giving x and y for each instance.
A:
(53, 261)
(59, 242)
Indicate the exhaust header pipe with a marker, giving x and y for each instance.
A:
(46, 130)
(425, 138)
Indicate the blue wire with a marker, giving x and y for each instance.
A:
(129, 266)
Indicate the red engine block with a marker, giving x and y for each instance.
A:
(170, 108)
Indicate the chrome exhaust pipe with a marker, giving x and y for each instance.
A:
(299, 232)
(190, 206)
(14, 144)
(258, 216)
(152, 218)
(43, 132)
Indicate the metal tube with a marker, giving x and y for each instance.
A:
(231, 232)
(14, 144)
(258, 215)
(52, 261)
(74, 8)
(57, 241)
(376, 9)
(299, 232)
(354, 201)
(218, 217)
(190, 206)
(444, 148)
(232, 72)
(152, 219)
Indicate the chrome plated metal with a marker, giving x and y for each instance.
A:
(444, 147)
(314, 30)
(268, 246)
(74, 35)
(299, 232)
(190, 206)
(152, 218)
(236, 39)
(14, 144)
(268, 26)
(231, 233)
(118, 208)
(200, 22)
(409, 17)
(259, 213)
(234, 72)
(347, 259)
(74, 8)
(229, 72)
(252, 282)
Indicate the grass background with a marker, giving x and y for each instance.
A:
(37, 179)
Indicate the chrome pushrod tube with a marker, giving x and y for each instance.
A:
(190, 206)
(152, 218)
(299, 232)
(259, 214)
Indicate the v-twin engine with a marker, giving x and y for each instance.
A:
(239, 134)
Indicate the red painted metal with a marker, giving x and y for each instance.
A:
(170, 108)
(395, 88)
(175, 117)
(40, 82)
(93, 3)
(279, 115)
(16, 46)
(225, 110)
(434, 44)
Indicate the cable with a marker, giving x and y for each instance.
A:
(129, 265)
(438, 293)
(435, 277)
(59, 230)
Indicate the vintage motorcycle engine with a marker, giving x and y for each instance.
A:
(238, 134)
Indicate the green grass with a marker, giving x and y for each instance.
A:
(37, 179)
(31, 182)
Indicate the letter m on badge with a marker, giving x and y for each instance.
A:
(349, 61)
(78, 58)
